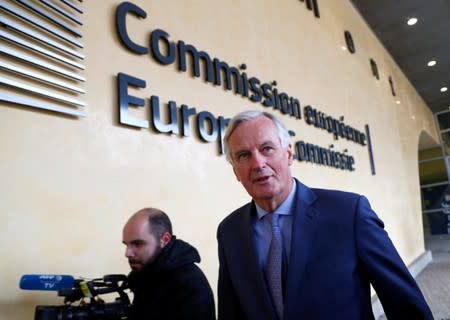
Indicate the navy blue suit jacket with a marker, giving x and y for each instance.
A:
(339, 247)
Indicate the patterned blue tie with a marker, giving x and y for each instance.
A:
(273, 266)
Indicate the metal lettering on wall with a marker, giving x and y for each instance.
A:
(41, 55)
(42, 64)
(223, 75)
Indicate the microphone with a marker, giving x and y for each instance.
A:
(50, 282)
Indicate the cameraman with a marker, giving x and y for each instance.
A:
(165, 281)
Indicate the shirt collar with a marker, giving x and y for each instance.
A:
(285, 207)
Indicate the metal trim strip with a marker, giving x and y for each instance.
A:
(48, 94)
(41, 64)
(39, 37)
(39, 105)
(72, 5)
(48, 53)
(62, 11)
(40, 24)
(40, 77)
(50, 17)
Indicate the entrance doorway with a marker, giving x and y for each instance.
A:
(434, 168)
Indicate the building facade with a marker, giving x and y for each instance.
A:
(107, 107)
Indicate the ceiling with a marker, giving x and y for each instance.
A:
(413, 46)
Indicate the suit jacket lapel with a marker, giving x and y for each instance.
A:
(303, 230)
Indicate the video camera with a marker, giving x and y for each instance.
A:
(77, 290)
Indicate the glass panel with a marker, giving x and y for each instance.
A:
(444, 120)
(437, 223)
(446, 142)
(435, 197)
(432, 172)
(430, 153)
(426, 225)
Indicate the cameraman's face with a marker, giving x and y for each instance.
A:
(142, 247)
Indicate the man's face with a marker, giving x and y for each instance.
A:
(260, 163)
(142, 247)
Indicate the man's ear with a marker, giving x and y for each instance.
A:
(165, 239)
(290, 155)
(235, 174)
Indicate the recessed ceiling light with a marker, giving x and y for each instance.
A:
(443, 89)
(411, 21)
(397, 102)
(431, 63)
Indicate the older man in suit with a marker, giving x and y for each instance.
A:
(299, 253)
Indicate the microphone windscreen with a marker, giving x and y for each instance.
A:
(50, 282)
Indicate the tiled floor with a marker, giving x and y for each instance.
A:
(434, 280)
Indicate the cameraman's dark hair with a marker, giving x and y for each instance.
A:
(159, 222)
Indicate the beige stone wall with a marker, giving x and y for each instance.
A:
(69, 184)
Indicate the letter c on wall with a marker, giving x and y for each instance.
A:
(121, 13)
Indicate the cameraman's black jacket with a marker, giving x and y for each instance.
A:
(172, 287)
